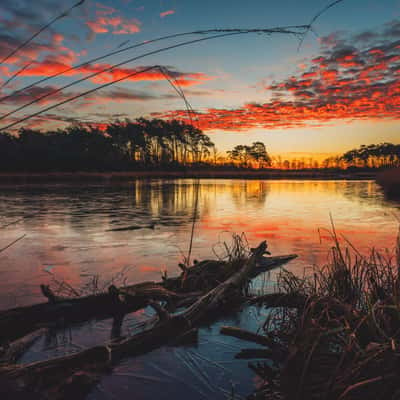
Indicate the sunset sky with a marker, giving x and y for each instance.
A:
(338, 90)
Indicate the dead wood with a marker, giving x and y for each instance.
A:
(188, 338)
(275, 352)
(47, 376)
(20, 321)
(181, 291)
(245, 335)
(270, 263)
(57, 378)
(247, 354)
(11, 352)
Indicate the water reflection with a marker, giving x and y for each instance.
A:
(253, 193)
(75, 230)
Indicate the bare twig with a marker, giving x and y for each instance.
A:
(43, 28)
(283, 30)
(12, 243)
(147, 42)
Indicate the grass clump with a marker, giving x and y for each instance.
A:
(338, 329)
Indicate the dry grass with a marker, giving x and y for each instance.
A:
(343, 340)
(202, 276)
(93, 284)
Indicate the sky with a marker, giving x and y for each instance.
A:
(336, 89)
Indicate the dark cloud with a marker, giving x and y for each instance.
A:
(117, 94)
(33, 50)
(20, 19)
(122, 94)
(31, 12)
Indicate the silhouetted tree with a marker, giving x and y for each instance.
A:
(246, 156)
(124, 144)
(373, 156)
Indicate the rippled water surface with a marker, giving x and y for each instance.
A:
(76, 230)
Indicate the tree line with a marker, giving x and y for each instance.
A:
(124, 145)
(374, 156)
(255, 155)
(155, 143)
(382, 155)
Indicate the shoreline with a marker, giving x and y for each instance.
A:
(107, 177)
(390, 182)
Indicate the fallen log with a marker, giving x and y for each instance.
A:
(246, 335)
(20, 321)
(10, 353)
(275, 352)
(209, 273)
(265, 264)
(246, 354)
(45, 376)
(52, 378)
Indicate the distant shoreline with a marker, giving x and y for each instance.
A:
(108, 177)
(390, 182)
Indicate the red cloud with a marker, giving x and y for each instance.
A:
(344, 83)
(105, 21)
(32, 51)
(165, 13)
(36, 51)
(115, 25)
(51, 65)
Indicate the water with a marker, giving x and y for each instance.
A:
(76, 230)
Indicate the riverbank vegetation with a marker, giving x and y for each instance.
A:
(334, 333)
(155, 144)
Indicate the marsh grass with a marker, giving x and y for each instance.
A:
(231, 253)
(234, 250)
(92, 285)
(342, 340)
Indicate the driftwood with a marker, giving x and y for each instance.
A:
(20, 321)
(275, 352)
(245, 335)
(209, 273)
(10, 353)
(254, 353)
(177, 292)
(45, 376)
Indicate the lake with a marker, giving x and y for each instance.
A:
(75, 231)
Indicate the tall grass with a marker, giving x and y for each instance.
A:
(342, 340)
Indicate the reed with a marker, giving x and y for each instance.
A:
(341, 340)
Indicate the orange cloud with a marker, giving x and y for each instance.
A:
(165, 13)
(106, 21)
(115, 25)
(51, 65)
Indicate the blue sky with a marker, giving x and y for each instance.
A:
(245, 88)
